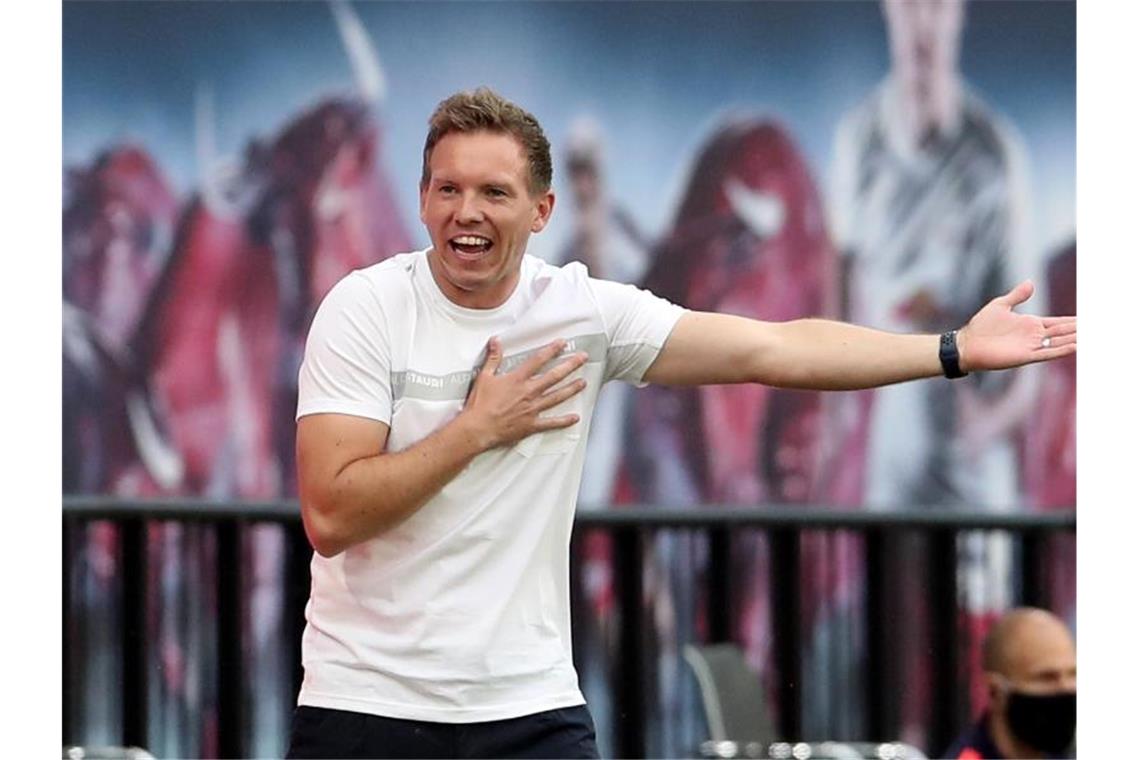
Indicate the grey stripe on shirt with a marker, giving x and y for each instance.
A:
(455, 385)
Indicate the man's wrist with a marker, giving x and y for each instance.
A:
(960, 342)
(473, 434)
(950, 354)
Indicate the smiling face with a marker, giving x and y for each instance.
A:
(479, 214)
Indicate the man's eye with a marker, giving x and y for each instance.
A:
(496, 192)
(447, 189)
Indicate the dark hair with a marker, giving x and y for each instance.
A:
(485, 110)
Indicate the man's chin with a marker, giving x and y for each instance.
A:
(467, 281)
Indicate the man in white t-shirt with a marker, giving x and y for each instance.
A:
(444, 405)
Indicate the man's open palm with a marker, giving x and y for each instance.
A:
(997, 337)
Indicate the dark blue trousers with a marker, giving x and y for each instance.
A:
(318, 732)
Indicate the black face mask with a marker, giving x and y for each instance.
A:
(1043, 721)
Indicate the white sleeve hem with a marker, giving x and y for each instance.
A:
(343, 406)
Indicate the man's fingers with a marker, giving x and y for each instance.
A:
(554, 423)
(1051, 321)
(541, 357)
(494, 356)
(560, 394)
(1057, 352)
(1020, 294)
(1065, 328)
(559, 371)
(1061, 340)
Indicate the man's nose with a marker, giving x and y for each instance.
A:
(469, 210)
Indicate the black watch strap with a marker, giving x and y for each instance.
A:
(948, 355)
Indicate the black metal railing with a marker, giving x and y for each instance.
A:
(631, 526)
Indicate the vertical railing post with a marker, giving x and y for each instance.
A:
(944, 636)
(1032, 591)
(68, 662)
(630, 708)
(136, 652)
(231, 660)
(299, 555)
(876, 680)
(719, 584)
(784, 551)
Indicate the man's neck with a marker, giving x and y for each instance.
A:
(468, 299)
(1008, 744)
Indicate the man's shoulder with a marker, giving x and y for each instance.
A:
(543, 277)
(569, 288)
(539, 268)
(380, 289)
(393, 270)
(388, 276)
(573, 277)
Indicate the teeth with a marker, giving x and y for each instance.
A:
(470, 240)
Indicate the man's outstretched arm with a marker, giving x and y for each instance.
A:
(817, 354)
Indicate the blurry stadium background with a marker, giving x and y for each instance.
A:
(226, 163)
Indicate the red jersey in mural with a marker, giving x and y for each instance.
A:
(748, 238)
(252, 260)
(118, 218)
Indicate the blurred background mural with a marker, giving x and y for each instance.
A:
(895, 165)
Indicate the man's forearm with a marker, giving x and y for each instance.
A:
(812, 354)
(819, 354)
(372, 494)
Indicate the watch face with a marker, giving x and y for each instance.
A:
(948, 355)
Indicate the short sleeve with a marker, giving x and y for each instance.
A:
(347, 363)
(637, 325)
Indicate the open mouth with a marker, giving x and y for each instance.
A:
(470, 246)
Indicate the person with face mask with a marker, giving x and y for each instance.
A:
(1030, 665)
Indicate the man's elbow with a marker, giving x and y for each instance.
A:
(326, 534)
(327, 547)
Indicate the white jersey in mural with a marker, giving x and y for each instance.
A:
(932, 232)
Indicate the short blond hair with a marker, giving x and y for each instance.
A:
(484, 110)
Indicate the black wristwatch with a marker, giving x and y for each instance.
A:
(948, 355)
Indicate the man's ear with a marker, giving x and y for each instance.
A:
(423, 203)
(996, 689)
(544, 207)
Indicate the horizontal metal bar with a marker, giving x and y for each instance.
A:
(697, 516)
(202, 510)
(816, 517)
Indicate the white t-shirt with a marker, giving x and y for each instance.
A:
(460, 613)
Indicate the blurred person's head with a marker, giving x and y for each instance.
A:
(925, 37)
(583, 163)
(1030, 663)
